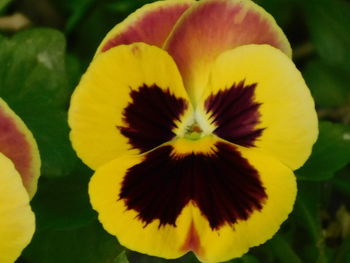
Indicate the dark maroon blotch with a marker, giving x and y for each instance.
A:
(150, 117)
(235, 113)
(223, 185)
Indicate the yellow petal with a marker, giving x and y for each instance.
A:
(104, 190)
(17, 221)
(216, 200)
(130, 99)
(232, 241)
(283, 107)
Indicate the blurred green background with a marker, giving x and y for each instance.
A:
(46, 45)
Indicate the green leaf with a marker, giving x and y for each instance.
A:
(135, 257)
(330, 153)
(63, 203)
(329, 24)
(4, 4)
(126, 6)
(121, 258)
(343, 255)
(88, 244)
(33, 69)
(51, 131)
(33, 81)
(341, 181)
(245, 259)
(307, 211)
(74, 69)
(281, 10)
(282, 250)
(328, 84)
(91, 30)
(79, 12)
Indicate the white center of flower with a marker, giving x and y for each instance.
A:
(193, 132)
(196, 126)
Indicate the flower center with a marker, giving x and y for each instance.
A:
(193, 132)
(195, 126)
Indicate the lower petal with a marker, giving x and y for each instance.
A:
(232, 241)
(207, 196)
(132, 231)
(17, 221)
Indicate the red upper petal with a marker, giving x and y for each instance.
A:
(212, 26)
(150, 24)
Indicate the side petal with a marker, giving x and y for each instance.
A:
(232, 241)
(17, 221)
(150, 24)
(18, 144)
(130, 99)
(268, 104)
(126, 224)
(213, 26)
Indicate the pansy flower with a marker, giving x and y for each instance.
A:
(194, 118)
(20, 169)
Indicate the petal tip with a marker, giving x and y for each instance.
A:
(16, 135)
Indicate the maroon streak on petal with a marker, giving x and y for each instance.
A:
(235, 113)
(150, 118)
(150, 24)
(192, 243)
(223, 185)
(15, 145)
(211, 27)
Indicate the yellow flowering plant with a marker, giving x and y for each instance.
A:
(195, 121)
(194, 118)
